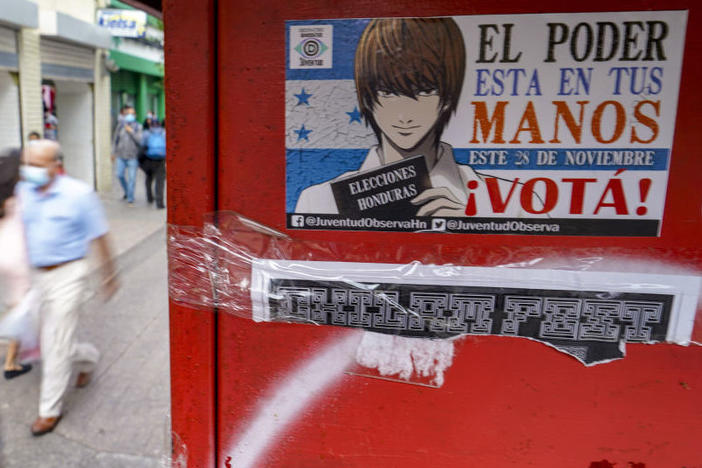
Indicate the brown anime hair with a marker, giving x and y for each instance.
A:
(406, 56)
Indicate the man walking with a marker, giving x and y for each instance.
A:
(125, 150)
(154, 165)
(62, 216)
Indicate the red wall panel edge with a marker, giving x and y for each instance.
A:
(190, 117)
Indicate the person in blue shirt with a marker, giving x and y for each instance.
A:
(153, 144)
(62, 218)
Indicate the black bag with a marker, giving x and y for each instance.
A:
(141, 157)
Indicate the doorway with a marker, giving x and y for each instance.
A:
(74, 111)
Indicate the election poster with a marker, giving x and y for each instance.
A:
(539, 124)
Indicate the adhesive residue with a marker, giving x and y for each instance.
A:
(406, 357)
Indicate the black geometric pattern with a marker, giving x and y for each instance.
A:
(587, 324)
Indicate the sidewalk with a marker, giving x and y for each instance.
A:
(121, 418)
(129, 226)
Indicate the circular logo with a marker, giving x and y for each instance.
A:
(311, 47)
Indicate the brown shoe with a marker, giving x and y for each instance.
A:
(84, 379)
(44, 425)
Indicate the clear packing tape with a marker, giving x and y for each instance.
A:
(587, 303)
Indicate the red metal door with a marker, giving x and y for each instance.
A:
(279, 402)
(191, 120)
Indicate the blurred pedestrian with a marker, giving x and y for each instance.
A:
(125, 150)
(34, 136)
(16, 323)
(154, 163)
(62, 217)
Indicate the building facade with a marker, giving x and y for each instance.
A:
(137, 59)
(65, 75)
(53, 81)
(15, 18)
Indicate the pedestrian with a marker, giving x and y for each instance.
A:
(17, 318)
(154, 163)
(125, 150)
(62, 218)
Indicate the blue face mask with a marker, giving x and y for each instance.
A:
(129, 118)
(37, 176)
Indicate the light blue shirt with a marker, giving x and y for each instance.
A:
(61, 222)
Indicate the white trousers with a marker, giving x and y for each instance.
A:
(61, 292)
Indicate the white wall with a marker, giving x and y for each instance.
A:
(103, 125)
(83, 10)
(74, 110)
(30, 81)
(10, 128)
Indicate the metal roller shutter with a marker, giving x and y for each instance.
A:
(8, 40)
(74, 110)
(61, 60)
(8, 48)
(10, 126)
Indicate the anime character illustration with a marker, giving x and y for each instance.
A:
(408, 74)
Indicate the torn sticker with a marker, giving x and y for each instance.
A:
(588, 315)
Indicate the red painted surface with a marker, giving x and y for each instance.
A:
(506, 402)
(190, 105)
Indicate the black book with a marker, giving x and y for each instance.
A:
(384, 192)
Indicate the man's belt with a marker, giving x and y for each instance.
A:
(58, 265)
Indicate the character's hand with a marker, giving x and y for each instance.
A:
(129, 129)
(113, 157)
(438, 202)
